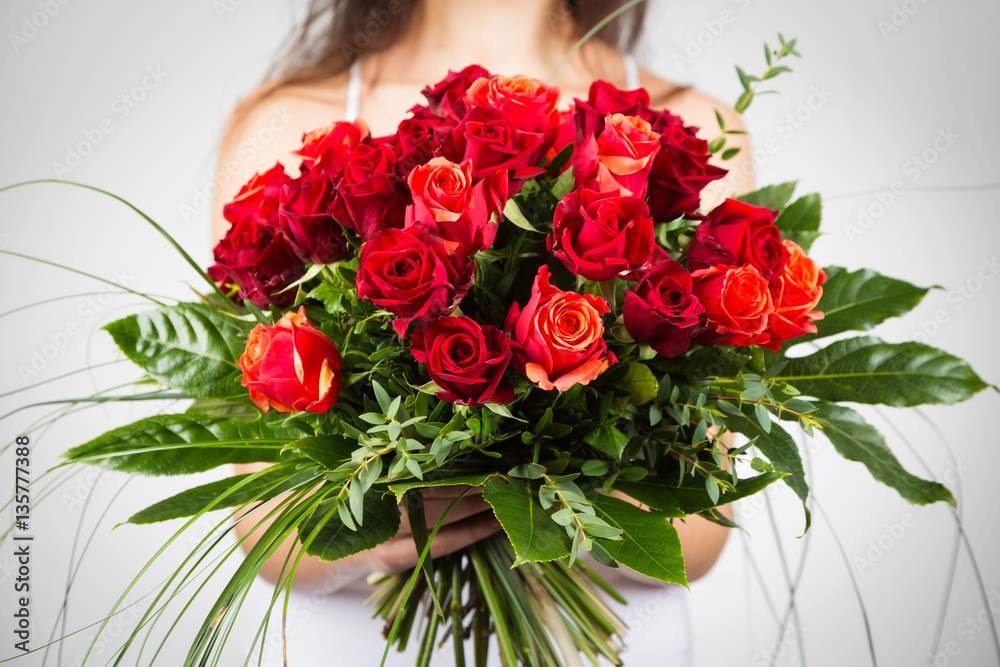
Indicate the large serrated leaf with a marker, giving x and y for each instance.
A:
(857, 440)
(665, 495)
(868, 370)
(184, 444)
(774, 197)
(269, 484)
(800, 221)
(335, 540)
(534, 536)
(649, 545)
(190, 347)
(858, 300)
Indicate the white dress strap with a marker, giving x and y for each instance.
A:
(353, 92)
(631, 71)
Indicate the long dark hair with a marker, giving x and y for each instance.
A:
(335, 32)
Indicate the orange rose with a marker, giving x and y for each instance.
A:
(738, 305)
(529, 104)
(620, 157)
(558, 338)
(796, 292)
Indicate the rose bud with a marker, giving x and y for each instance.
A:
(259, 261)
(601, 235)
(738, 233)
(447, 97)
(327, 149)
(465, 359)
(309, 229)
(738, 305)
(661, 310)
(370, 196)
(620, 157)
(680, 172)
(796, 292)
(411, 275)
(558, 339)
(291, 367)
(258, 198)
(450, 203)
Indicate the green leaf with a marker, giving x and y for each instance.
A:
(663, 494)
(269, 484)
(609, 440)
(862, 299)
(184, 444)
(401, 488)
(190, 347)
(857, 440)
(868, 370)
(640, 383)
(335, 540)
(330, 451)
(800, 221)
(775, 197)
(534, 536)
(513, 213)
(649, 543)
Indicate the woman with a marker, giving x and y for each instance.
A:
(371, 61)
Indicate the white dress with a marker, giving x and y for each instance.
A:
(336, 627)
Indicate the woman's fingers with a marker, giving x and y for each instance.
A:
(433, 508)
(400, 553)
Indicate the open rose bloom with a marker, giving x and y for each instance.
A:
(533, 296)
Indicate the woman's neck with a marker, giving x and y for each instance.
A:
(504, 36)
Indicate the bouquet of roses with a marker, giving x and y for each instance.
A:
(509, 296)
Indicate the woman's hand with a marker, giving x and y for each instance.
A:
(470, 520)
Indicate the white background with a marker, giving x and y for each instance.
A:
(880, 81)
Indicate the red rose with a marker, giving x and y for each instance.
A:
(415, 143)
(303, 218)
(259, 197)
(529, 104)
(465, 359)
(739, 233)
(796, 292)
(447, 97)
(370, 196)
(291, 366)
(259, 261)
(487, 139)
(738, 305)
(558, 338)
(662, 311)
(327, 149)
(680, 172)
(449, 202)
(601, 235)
(620, 157)
(412, 276)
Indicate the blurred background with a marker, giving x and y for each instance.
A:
(893, 104)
